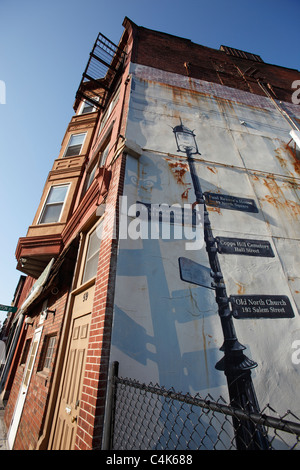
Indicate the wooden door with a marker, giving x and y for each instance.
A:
(65, 427)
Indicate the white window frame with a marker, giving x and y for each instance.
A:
(99, 226)
(105, 149)
(45, 204)
(68, 145)
(92, 170)
(44, 365)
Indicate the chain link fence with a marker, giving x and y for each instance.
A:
(149, 417)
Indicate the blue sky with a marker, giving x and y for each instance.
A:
(44, 47)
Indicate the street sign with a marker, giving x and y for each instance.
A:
(225, 201)
(8, 308)
(244, 246)
(196, 273)
(261, 306)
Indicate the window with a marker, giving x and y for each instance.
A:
(47, 353)
(75, 145)
(92, 255)
(25, 352)
(30, 362)
(109, 109)
(103, 156)
(53, 206)
(88, 107)
(91, 176)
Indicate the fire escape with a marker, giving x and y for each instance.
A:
(101, 73)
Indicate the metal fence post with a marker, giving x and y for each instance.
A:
(109, 407)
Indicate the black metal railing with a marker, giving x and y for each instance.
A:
(103, 68)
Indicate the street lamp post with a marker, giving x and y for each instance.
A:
(235, 364)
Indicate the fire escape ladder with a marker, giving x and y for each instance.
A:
(101, 73)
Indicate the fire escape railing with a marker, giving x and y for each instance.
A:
(101, 73)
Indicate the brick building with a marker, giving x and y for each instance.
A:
(97, 292)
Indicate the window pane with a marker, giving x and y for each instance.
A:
(57, 194)
(51, 214)
(92, 256)
(25, 351)
(75, 144)
(104, 155)
(54, 204)
(91, 177)
(76, 139)
(30, 363)
(74, 150)
(91, 267)
(87, 108)
(49, 352)
(94, 244)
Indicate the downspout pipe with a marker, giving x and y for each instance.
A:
(11, 352)
(286, 116)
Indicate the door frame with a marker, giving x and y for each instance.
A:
(69, 384)
(19, 405)
(78, 293)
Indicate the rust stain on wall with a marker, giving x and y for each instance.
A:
(281, 160)
(180, 96)
(282, 157)
(213, 170)
(214, 209)
(241, 288)
(295, 158)
(185, 194)
(178, 170)
(277, 198)
(183, 95)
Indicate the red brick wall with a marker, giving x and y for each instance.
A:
(181, 56)
(90, 422)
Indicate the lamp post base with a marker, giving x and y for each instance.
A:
(248, 435)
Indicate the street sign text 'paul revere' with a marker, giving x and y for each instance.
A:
(225, 201)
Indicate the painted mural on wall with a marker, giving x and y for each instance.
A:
(166, 328)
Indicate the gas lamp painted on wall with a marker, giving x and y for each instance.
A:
(185, 140)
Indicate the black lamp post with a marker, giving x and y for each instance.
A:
(236, 366)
